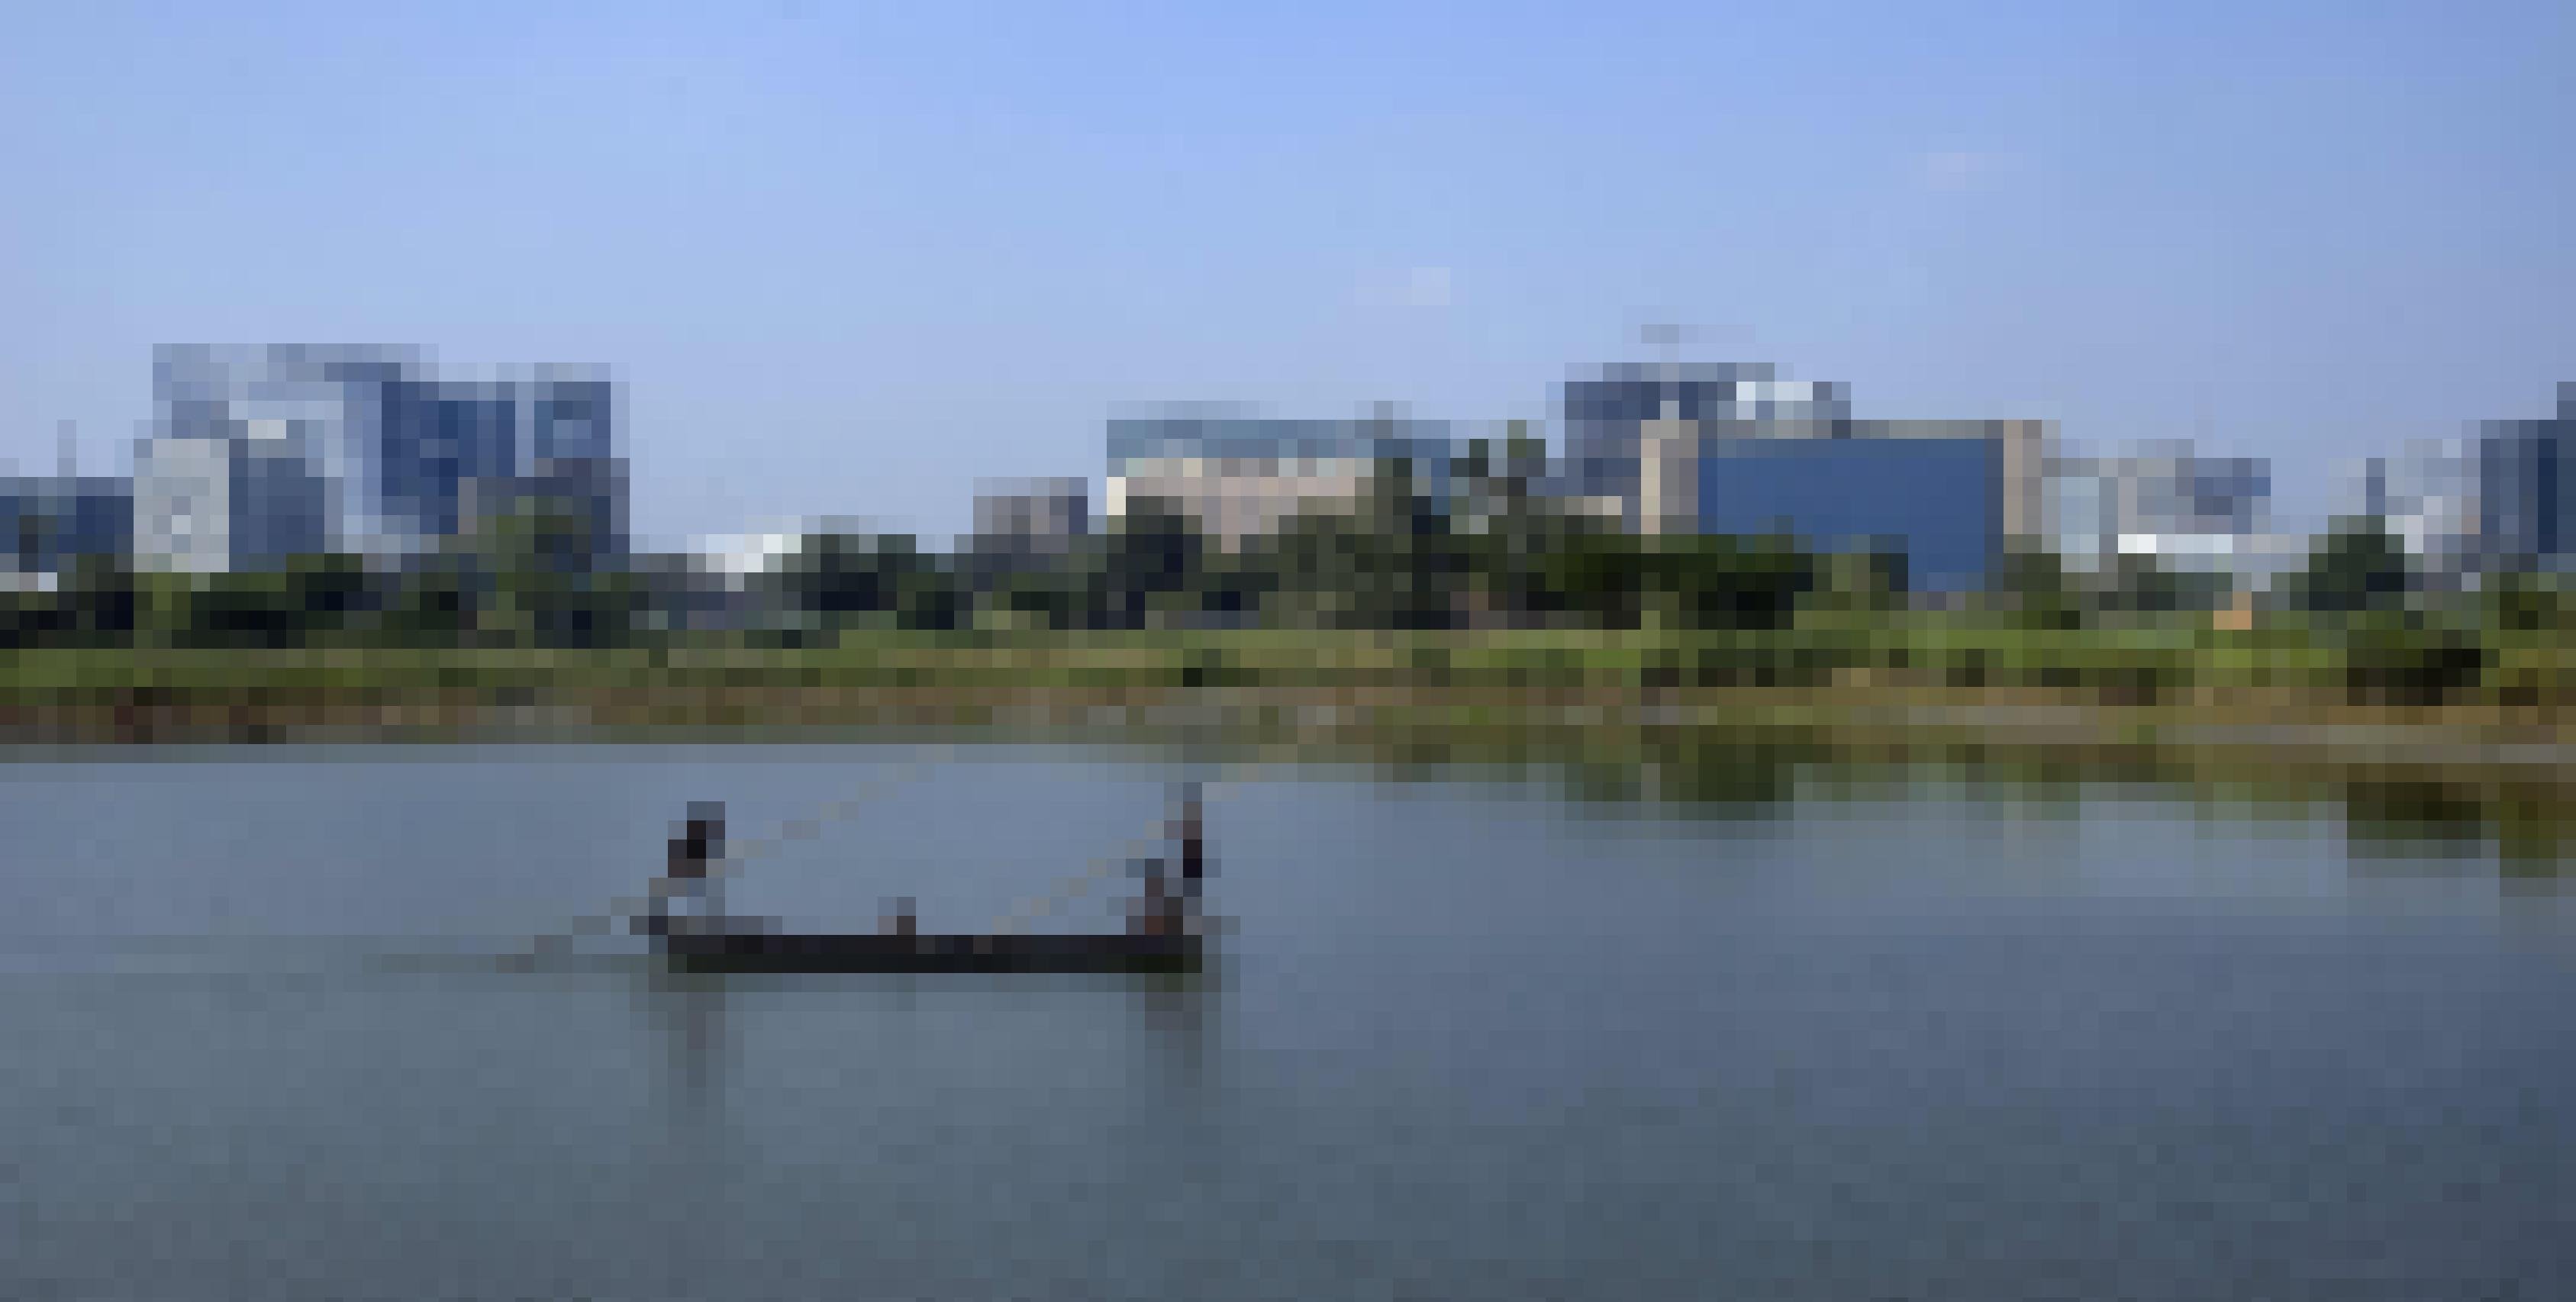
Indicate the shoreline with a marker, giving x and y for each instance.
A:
(2461, 736)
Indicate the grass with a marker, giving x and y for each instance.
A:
(2168, 671)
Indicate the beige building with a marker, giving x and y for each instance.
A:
(1235, 498)
(1241, 477)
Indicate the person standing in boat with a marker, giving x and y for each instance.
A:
(1172, 881)
(1193, 860)
(688, 874)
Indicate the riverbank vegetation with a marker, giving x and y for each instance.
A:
(1487, 600)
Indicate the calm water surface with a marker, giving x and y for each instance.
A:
(1471, 1039)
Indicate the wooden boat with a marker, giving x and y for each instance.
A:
(878, 952)
(1175, 944)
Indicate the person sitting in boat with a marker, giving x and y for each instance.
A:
(687, 874)
(898, 918)
(1153, 915)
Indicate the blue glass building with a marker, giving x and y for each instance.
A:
(1938, 500)
(1733, 448)
(1605, 416)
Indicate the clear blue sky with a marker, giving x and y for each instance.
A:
(850, 258)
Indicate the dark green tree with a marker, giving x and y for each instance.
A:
(2033, 585)
(839, 577)
(1153, 560)
(30, 616)
(330, 593)
(246, 608)
(2357, 566)
(431, 603)
(1407, 569)
(1719, 581)
(930, 594)
(2405, 657)
(1309, 569)
(841, 580)
(1599, 577)
(1860, 582)
(2528, 603)
(543, 570)
(1054, 591)
(2139, 584)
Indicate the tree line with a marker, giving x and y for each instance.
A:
(1492, 553)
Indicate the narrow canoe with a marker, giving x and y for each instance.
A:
(876, 952)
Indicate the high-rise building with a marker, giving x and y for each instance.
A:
(264, 452)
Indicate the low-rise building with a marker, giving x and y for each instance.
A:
(1734, 448)
(208, 505)
(1032, 517)
(46, 523)
(2428, 496)
(2526, 490)
(1241, 476)
(2499, 498)
(2184, 511)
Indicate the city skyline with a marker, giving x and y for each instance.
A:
(1561, 430)
(847, 275)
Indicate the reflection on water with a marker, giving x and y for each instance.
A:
(688, 1012)
(2524, 822)
(1616, 1018)
(1170, 1020)
(2520, 821)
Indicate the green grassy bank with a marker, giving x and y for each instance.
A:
(1959, 672)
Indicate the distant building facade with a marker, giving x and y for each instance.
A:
(207, 505)
(2427, 496)
(2526, 494)
(1937, 500)
(1732, 448)
(1240, 476)
(262, 453)
(2166, 502)
(1631, 430)
(1037, 516)
(46, 523)
(2501, 499)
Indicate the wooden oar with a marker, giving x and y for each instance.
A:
(1040, 906)
(1074, 885)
